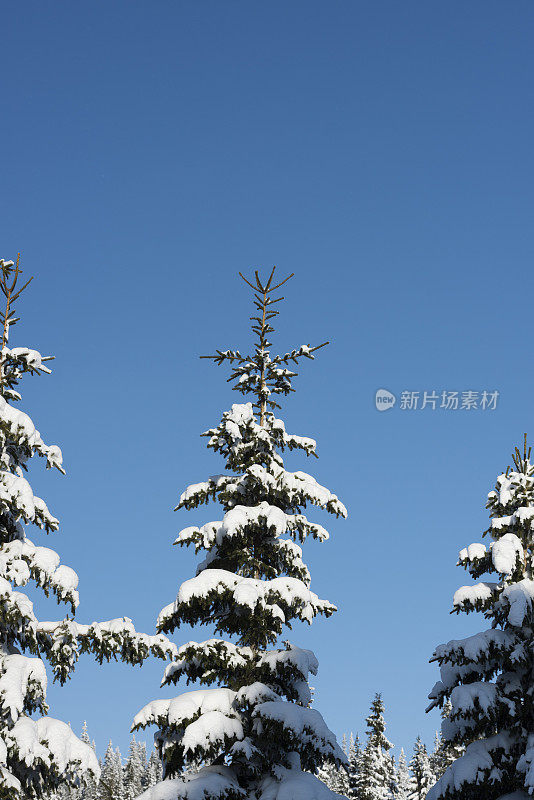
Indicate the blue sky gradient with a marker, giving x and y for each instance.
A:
(383, 153)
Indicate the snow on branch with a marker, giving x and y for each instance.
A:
(116, 639)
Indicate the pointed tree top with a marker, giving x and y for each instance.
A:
(259, 373)
(267, 287)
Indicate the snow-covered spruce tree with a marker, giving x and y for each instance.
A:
(402, 787)
(336, 776)
(489, 676)
(333, 777)
(255, 735)
(36, 755)
(135, 770)
(88, 791)
(422, 776)
(436, 758)
(111, 785)
(355, 756)
(154, 770)
(375, 780)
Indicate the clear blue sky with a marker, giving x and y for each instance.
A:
(382, 152)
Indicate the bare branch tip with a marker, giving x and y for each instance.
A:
(268, 284)
(247, 282)
(274, 288)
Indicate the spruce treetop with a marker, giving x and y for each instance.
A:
(256, 733)
(376, 725)
(259, 374)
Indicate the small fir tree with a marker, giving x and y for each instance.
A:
(402, 788)
(154, 770)
(134, 770)
(488, 676)
(376, 771)
(332, 776)
(422, 777)
(354, 768)
(111, 785)
(256, 735)
(89, 790)
(436, 756)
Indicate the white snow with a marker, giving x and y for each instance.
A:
(116, 635)
(519, 517)
(16, 495)
(504, 491)
(186, 707)
(472, 768)
(470, 595)
(466, 697)
(524, 513)
(212, 782)
(241, 418)
(299, 525)
(298, 486)
(21, 559)
(51, 741)
(526, 763)
(272, 517)
(195, 652)
(504, 553)
(251, 593)
(198, 489)
(212, 728)
(304, 661)
(255, 693)
(22, 428)
(293, 784)
(305, 724)
(236, 521)
(474, 552)
(519, 596)
(475, 648)
(20, 676)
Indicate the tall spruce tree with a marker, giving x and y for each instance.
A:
(334, 778)
(436, 756)
(355, 756)
(36, 754)
(154, 770)
(88, 791)
(376, 771)
(111, 785)
(402, 788)
(422, 776)
(488, 676)
(255, 735)
(135, 770)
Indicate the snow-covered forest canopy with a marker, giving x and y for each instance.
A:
(252, 730)
(373, 771)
